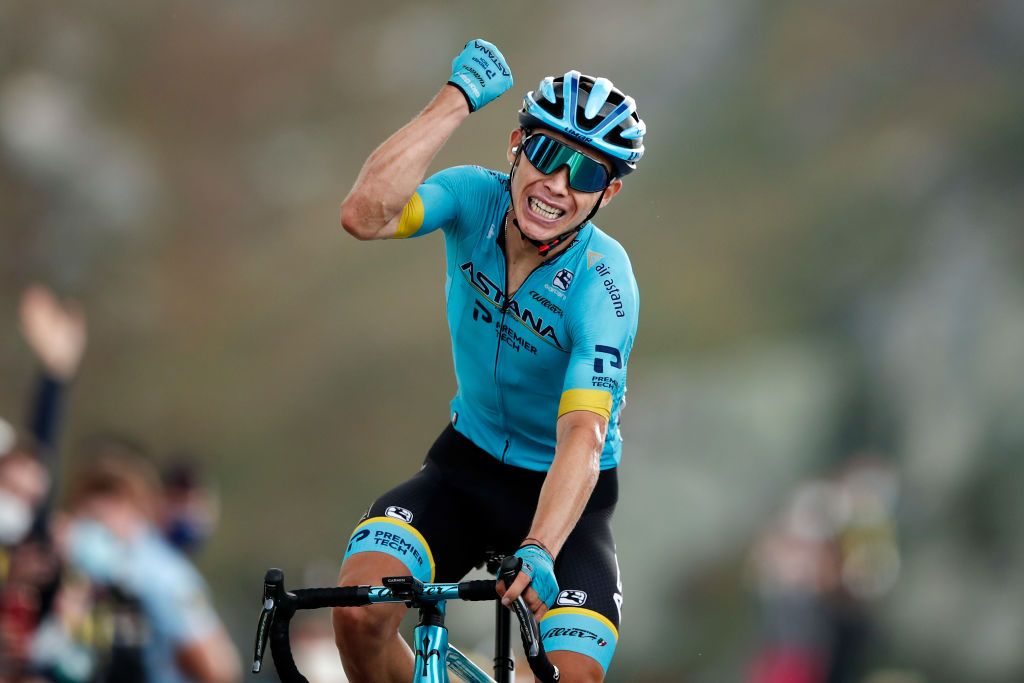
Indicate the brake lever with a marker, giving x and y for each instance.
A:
(273, 588)
(528, 629)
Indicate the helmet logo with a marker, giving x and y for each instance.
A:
(577, 135)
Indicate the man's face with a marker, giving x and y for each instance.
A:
(545, 205)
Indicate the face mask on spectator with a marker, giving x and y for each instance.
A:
(94, 550)
(187, 532)
(15, 518)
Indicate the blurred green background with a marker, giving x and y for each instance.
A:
(827, 232)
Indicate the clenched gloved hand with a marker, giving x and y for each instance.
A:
(481, 73)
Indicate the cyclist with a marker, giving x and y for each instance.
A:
(542, 309)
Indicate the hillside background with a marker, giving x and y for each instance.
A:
(827, 232)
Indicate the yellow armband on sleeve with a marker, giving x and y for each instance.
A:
(411, 219)
(592, 400)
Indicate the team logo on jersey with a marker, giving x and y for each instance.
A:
(613, 355)
(396, 512)
(592, 258)
(563, 279)
(571, 598)
(493, 293)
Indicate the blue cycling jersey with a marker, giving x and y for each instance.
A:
(560, 343)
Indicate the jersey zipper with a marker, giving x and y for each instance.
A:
(497, 382)
(497, 353)
(503, 267)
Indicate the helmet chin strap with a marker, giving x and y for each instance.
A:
(544, 248)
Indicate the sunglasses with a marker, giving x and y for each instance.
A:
(548, 155)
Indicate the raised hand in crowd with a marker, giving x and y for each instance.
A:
(55, 331)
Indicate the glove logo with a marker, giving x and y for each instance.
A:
(499, 63)
(396, 512)
(572, 598)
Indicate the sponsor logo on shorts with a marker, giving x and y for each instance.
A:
(396, 512)
(572, 598)
(581, 633)
(363, 533)
(400, 546)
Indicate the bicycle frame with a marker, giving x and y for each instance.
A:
(433, 653)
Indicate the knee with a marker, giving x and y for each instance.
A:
(362, 626)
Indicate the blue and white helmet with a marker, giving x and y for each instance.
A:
(591, 111)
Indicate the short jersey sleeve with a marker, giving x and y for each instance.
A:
(442, 199)
(602, 325)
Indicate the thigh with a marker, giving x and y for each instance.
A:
(585, 616)
(423, 524)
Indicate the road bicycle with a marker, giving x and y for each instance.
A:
(435, 656)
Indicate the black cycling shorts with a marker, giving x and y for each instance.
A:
(464, 503)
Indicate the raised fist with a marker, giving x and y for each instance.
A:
(481, 73)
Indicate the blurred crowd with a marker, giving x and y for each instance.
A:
(818, 566)
(100, 589)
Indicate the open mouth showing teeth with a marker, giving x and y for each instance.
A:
(545, 210)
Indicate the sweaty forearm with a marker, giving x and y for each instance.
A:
(392, 173)
(569, 482)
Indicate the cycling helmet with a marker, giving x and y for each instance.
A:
(590, 110)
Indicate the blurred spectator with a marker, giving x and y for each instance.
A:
(29, 568)
(24, 484)
(159, 624)
(191, 508)
(56, 334)
(831, 551)
(26, 566)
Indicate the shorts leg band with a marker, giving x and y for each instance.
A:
(396, 538)
(580, 630)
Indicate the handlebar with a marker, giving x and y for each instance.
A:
(280, 605)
